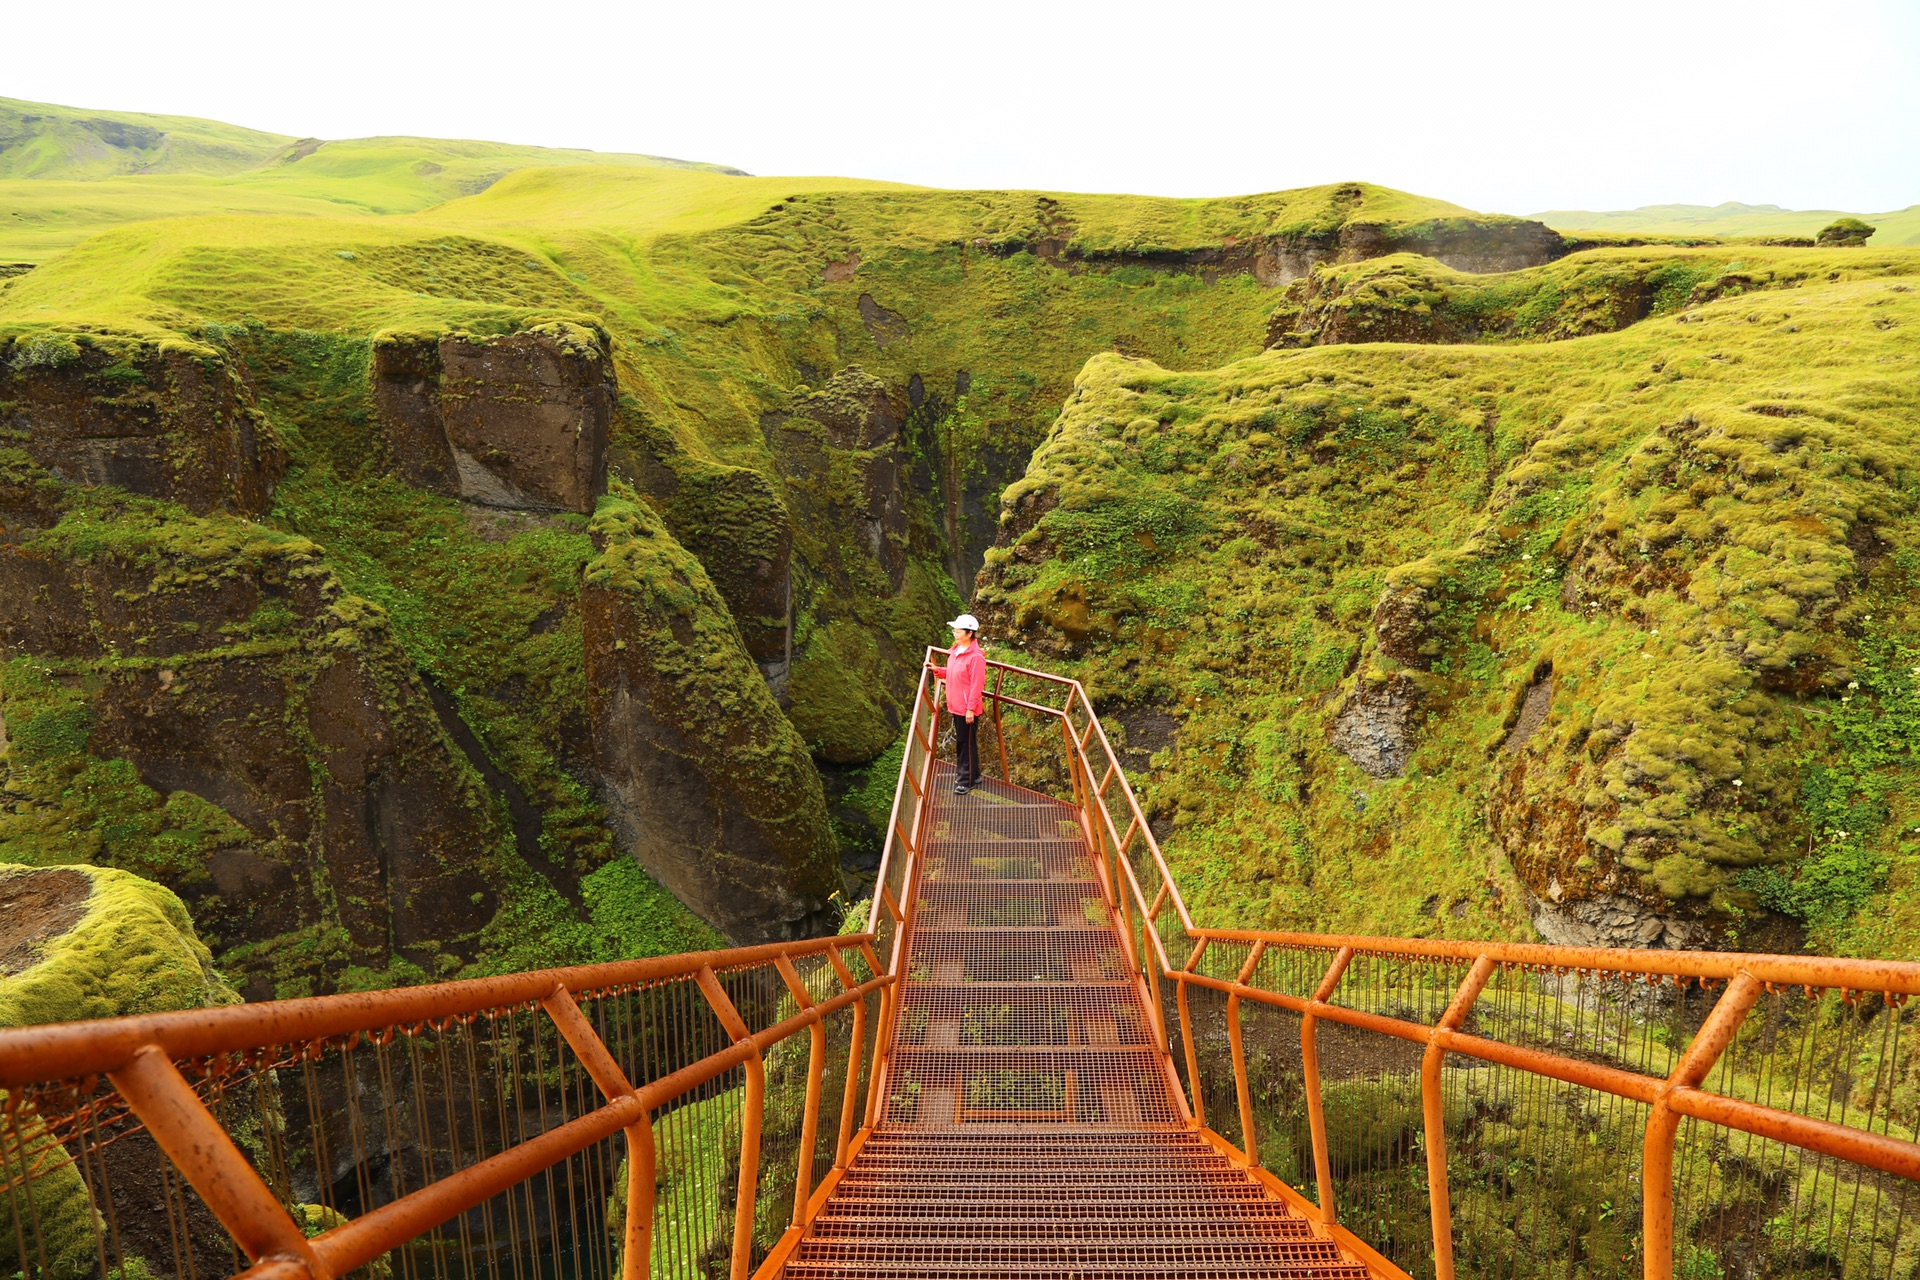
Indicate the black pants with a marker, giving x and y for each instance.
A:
(966, 751)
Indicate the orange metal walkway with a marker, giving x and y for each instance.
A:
(1031, 1128)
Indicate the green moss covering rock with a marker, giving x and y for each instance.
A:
(85, 942)
(707, 782)
(1463, 637)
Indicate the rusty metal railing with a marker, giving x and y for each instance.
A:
(1511, 1109)
(491, 1126)
(1439, 1108)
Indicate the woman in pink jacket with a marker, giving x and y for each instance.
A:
(966, 677)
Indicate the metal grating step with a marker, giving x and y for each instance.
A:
(1010, 1268)
(956, 1017)
(1007, 955)
(1147, 1215)
(996, 1253)
(1016, 904)
(1029, 1127)
(964, 861)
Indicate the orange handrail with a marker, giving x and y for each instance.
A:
(1096, 769)
(142, 1056)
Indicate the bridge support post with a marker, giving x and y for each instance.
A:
(810, 1115)
(751, 1114)
(1663, 1122)
(999, 733)
(1198, 1109)
(1249, 1141)
(850, 1098)
(636, 1257)
(200, 1149)
(1310, 1069)
(1439, 1198)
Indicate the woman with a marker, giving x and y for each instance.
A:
(966, 677)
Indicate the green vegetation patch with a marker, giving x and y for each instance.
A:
(1681, 543)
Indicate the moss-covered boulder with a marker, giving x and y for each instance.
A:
(92, 942)
(707, 782)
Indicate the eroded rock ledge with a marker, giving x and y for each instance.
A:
(173, 423)
(515, 421)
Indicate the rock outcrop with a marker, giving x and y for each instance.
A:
(707, 783)
(516, 421)
(1375, 725)
(166, 422)
(737, 525)
(1422, 296)
(1471, 244)
(1611, 920)
(93, 942)
(286, 772)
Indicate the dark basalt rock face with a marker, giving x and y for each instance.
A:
(707, 783)
(270, 693)
(517, 421)
(840, 448)
(174, 424)
(736, 524)
(860, 611)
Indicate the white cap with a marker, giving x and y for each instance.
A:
(965, 622)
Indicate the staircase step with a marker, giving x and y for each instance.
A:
(1096, 1223)
(957, 1188)
(1018, 998)
(1008, 1265)
(959, 1249)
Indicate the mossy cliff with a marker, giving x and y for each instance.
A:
(169, 420)
(197, 699)
(1617, 633)
(820, 386)
(706, 779)
(869, 586)
(200, 699)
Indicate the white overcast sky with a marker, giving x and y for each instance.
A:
(1511, 107)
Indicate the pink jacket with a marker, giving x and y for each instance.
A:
(966, 677)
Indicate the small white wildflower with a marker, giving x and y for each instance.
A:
(1852, 685)
(1736, 782)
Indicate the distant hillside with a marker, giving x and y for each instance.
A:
(1902, 226)
(40, 140)
(70, 173)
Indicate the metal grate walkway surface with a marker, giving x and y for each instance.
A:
(1030, 1128)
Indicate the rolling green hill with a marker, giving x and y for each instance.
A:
(69, 173)
(1900, 226)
